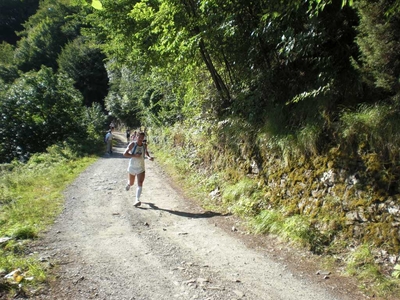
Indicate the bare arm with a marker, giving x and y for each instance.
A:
(148, 154)
(128, 150)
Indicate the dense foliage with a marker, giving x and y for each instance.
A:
(53, 80)
(287, 65)
(284, 68)
(39, 107)
(13, 13)
(285, 88)
(302, 97)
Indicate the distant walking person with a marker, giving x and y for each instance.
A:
(137, 151)
(134, 136)
(128, 135)
(109, 138)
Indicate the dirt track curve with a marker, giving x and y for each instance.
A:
(169, 248)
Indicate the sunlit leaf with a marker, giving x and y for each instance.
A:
(97, 4)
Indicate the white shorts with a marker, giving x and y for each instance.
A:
(135, 170)
(136, 166)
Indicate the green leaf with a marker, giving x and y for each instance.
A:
(396, 272)
(97, 5)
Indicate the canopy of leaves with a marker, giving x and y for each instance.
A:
(41, 106)
(46, 33)
(258, 56)
(37, 110)
(379, 42)
(285, 66)
(13, 13)
(83, 61)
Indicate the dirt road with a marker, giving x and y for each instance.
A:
(169, 248)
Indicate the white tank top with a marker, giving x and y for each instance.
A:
(137, 162)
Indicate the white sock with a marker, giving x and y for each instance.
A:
(138, 193)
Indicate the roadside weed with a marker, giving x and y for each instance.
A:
(294, 228)
(361, 264)
(30, 199)
(24, 232)
(242, 198)
(396, 271)
(268, 221)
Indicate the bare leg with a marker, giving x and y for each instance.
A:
(140, 178)
(131, 181)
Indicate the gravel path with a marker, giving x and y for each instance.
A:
(169, 248)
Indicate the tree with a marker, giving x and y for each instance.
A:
(379, 42)
(126, 88)
(37, 110)
(8, 71)
(46, 33)
(13, 13)
(83, 61)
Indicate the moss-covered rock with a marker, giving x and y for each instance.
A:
(348, 197)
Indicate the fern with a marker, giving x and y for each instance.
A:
(396, 272)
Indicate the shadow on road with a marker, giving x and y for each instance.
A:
(207, 214)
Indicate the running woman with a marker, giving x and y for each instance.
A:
(137, 151)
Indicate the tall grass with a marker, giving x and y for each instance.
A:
(242, 198)
(30, 199)
(372, 128)
(292, 146)
(296, 228)
(216, 170)
(361, 264)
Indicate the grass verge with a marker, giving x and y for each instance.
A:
(243, 198)
(30, 200)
